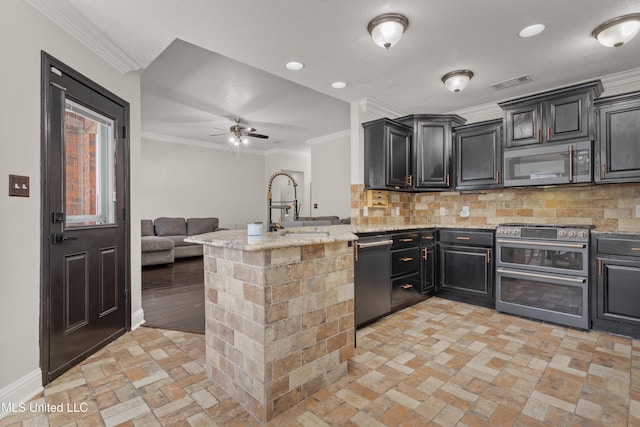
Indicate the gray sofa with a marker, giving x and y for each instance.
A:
(163, 238)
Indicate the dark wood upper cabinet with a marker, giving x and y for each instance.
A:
(617, 151)
(387, 155)
(432, 151)
(554, 116)
(478, 148)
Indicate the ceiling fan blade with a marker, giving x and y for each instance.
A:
(220, 134)
(257, 135)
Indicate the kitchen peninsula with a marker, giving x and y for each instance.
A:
(279, 313)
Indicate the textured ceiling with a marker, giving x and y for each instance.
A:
(330, 37)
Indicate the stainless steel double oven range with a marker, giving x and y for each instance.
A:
(542, 272)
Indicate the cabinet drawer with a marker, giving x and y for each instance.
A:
(627, 247)
(476, 238)
(405, 240)
(428, 237)
(405, 261)
(405, 289)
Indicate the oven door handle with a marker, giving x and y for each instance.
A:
(533, 243)
(542, 276)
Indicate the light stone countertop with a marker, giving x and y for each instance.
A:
(288, 237)
(300, 236)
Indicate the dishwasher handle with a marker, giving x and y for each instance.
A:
(371, 245)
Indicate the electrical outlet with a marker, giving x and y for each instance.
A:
(397, 210)
(365, 211)
(443, 211)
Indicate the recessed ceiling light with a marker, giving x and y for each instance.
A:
(531, 30)
(338, 85)
(294, 65)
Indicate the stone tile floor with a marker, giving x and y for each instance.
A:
(439, 363)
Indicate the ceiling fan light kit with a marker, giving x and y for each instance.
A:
(617, 31)
(239, 134)
(387, 29)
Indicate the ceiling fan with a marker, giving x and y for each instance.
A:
(239, 133)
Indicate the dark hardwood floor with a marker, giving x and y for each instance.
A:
(173, 295)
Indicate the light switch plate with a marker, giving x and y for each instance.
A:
(18, 186)
(637, 211)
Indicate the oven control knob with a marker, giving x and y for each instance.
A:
(582, 234)
(562, 233)
(572, 234)
(516, 232)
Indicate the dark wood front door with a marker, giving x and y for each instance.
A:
(85, 260)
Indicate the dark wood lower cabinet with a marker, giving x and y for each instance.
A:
(616, 297)
(466, 267)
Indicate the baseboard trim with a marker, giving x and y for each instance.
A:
(137, 319)
(20, 391)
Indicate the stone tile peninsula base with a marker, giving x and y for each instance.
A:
(279, 314)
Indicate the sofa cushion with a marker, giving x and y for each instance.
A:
(179, 241)
(156, 244)
(201, 225)
(170, 226)
(146, 227)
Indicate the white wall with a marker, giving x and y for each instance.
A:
(24, 32)
(331, 175)
(189, 180)
(276, 161)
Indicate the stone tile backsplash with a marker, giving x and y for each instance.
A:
(610, 207)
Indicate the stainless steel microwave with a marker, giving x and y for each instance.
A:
(548, 164)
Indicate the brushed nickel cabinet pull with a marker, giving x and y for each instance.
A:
(424, 254)
(602, 170)
(463, 238)
(488, 256)
(599, 267)
(548, 134)
(406, 259)
(447, 180)
(497, 176)
(406, 240)
(635, 249)
(406, 286)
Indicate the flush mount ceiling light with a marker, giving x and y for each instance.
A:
(294, 66)
(617, 31)
(531, 30)
(386, 30)
(457, 80)
(338, 85)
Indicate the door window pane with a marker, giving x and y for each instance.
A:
(88, 167)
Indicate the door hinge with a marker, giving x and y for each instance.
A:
(124, 132)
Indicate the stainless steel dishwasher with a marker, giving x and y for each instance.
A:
(372, 278)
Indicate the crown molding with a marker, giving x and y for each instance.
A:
(625, 81)
(196, 143)
(480, 113)
(369, 106)
(72, 21)
(329, 137)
